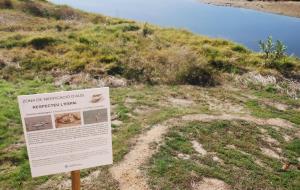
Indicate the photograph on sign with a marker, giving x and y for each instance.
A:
(67, 131)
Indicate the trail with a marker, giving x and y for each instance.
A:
(128, 172)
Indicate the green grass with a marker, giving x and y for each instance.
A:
(102, 45)
(14, 162)
(239, 170)
(265, 111)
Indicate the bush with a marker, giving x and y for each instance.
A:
(271, 50)
(6, 4)
(38, 63)
(124, 27)
(197, 75)
(77, 66)
(65, 13)
(274, 54)
(35, 9)
(42, 42)
(239, 48)
(2, 64)
(146, 30)
(173, 65)
(267, 46)
(98, 19)
(226, 66)
(108, 59)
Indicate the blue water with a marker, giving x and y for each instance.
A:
(240, 25)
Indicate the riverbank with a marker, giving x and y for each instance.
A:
(288, 8)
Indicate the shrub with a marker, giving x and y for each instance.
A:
(267, 46)
(98, 19)
(279, 50)
(35, 9)
(115, 69)
(274, 53)
(239, 48)
(38, 63)
(146, 30)
(124, 27)
(173, 65)
(197, 75)
(108, 59)
(42, 42)
(271, 50)
(226, 66)
(14, 41)
(65, 13)
(2, 64)
(6, 4)
(59, 28)
(77, 66)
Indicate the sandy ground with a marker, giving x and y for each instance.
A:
(288, 8)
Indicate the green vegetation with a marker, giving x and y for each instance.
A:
(41, 37)
(14, 168)
(275, 55)
(266, 111)
(239, 166)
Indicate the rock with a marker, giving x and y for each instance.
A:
(270, 153)
(117, 122)
(112, 81)
(231, 146)
(212, 184)
(199, 148)
(217, 159)
(72, 79)
(184, 156)
(65, 79)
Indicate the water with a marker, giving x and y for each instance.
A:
(240, 25)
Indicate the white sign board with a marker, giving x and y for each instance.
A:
(67, 131)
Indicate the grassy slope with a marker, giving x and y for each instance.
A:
(239, 169)
(39, 42)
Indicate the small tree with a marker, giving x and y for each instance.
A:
(267, 46)
(273, 51)
(280, 49)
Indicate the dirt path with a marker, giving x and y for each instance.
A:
(272, 121)
(128, 172)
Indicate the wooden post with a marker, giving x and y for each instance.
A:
(75, 175)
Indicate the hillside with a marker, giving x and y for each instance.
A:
(199, 112)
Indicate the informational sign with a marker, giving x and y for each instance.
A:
(67, 131)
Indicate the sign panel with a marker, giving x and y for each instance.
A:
(67, 131)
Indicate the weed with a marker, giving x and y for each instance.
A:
(42, 42)
(147, 30)
(6, 4)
